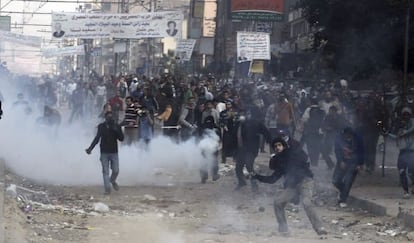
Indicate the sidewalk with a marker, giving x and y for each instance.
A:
(381, 196)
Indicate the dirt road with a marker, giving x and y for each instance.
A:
(189, 212)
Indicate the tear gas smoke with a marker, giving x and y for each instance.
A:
(36, 153)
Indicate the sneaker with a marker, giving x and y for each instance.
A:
(115, 186)
(406, 195)
(216, 177)
(322, 231)
(107, 192)
(343, 205)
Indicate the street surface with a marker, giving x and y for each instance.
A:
(187, 212)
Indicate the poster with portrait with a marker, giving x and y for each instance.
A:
(184, 49)
(122, 26)
(253, 46)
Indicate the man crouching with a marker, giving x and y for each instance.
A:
(292, 164)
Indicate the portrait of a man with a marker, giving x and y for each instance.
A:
(242, 56)
(172, 28)
(58, 32)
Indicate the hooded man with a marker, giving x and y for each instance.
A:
(292, 164)
(108, 134)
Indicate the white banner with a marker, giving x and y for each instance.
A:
(209, 19)
(253, 46)
(184, 49)
(28, 40)
(123, 26)
(64, 51)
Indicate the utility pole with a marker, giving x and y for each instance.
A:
(122, 60)
(150, 54)
(125, 63)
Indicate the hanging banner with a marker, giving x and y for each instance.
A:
(185, 49)
(253, 46)
(209, 19)
(122, 26)
(64, 51)
(27, 40)
(257, 10)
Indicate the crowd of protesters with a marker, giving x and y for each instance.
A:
(330, 121)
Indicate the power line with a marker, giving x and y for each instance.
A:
(63, 1)
(20, 12)
(17, 50)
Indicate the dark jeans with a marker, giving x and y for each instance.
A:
(109, 160)
(327, 146)
(305, 191)
(245, 158)
(406, 167)
(77, 113)
(370, 142)
(343, 178)
(172, 133)
(313, 143)
(131, 135)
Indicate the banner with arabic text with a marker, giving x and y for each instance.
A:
(253, 46)
(185, 49)
(122, 26)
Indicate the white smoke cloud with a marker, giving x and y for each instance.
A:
(34, 152)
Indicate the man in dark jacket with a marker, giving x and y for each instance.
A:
(292, 164)
(1, 111)
(108, 134)
(349, 151)
(333, 124)
(248, 133)
(312, 130)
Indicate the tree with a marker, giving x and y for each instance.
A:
(363, 37)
